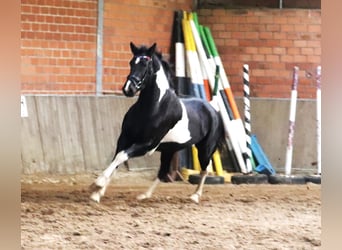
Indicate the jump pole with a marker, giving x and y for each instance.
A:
(196, 79)
(318, 114)
(196, 76)
(288, 178)
(181, 78)
(316, 178)
(228, 123)
(197, 68)
(227, 90)
(236, 122)
(292, 120)
(182, 158)
(247, 106)
(210, 66)
(193, 62)
(197, 46)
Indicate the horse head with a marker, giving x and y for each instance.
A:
(141, 69)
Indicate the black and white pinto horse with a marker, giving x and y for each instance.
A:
(161, 121)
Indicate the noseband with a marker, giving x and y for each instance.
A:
(137, 84)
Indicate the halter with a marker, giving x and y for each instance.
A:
(137, 85)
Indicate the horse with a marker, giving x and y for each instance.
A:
(161, 121)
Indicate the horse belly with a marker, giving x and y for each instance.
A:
(180, 133)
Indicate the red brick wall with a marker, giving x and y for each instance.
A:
(58, 41)
(271, 41)
(142, 22)
(58, 46)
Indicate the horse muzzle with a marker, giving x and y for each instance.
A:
(129, 89)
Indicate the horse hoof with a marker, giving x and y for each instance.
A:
(141, 197)
(195, 198)
(95, 197)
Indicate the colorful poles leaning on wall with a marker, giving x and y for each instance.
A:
(192, 60)
(292, 119)
(318, 114)
(197, 68)
(208, 70)
(193, 33)
(232, 104)
(236, 126)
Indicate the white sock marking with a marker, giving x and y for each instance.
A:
(150, 191)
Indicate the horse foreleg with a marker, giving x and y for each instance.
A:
(99, 187)
(198, 193)
(150, 190)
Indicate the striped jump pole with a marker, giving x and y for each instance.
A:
(318, 114)
(292, 119)
(206, 72)
(203, 92)
(181, 79)
(195, 74)
(209, 71)
(231, 107)
(192, 60)
(247, 107)
(182, 158)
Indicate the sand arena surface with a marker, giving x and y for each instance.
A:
(56, 213)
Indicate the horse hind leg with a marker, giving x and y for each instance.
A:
(198, 193)
(205, 151)
(165, 160)
(149, 192)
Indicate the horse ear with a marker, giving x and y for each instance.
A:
(134, 48)
(152, 49)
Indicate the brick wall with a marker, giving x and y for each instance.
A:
(58, 44)
(58, 41)
(271, 41)
(142, 22)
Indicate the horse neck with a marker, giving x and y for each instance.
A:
(154, 91)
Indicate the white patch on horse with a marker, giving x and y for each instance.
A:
(127, 85)
(180, 133)
(162, 82)
(137, 60)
